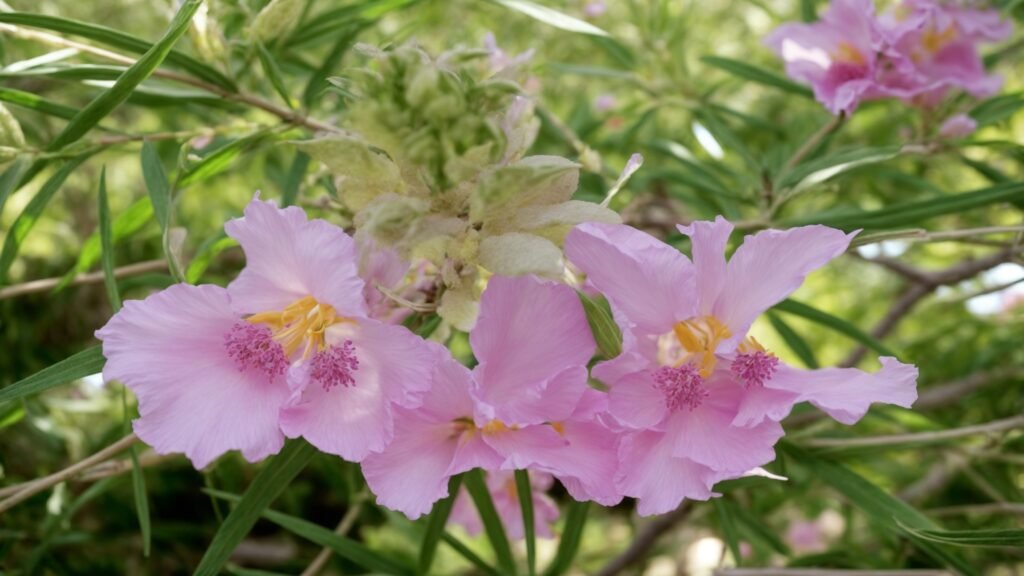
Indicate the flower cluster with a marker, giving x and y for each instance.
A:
(434, 167)
(916, 52)
(295, 347)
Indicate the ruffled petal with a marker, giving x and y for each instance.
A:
(555, 402)
(421, 449)
(658, 480)
(635, 402)
(846, 393)
(169, 350)
(648, 280)
(395, 366)
(709, 240)
(289, 257)
(529, 332)
(761, 403)
(769, 266)
(707, 435)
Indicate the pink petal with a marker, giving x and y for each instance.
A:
(289, 257)
(395, 366)
(421, 449)
(449, 396)
(761, 403)
(648, 280)
(528, 334)
(169, 350)
(554, 403)
(707, 435)
(635, 402)
(846, 393)
(660, 481)
(769, 266)
(709, 240)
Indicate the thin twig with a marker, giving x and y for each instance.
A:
(989, 508)
(921, 235)
(100, 471)
(646, 540)
(920, 437)
(814, 140)
(45, 284)
(347, 521)
(62, 475)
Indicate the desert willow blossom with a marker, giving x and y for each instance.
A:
(701, 395)
(287, 349)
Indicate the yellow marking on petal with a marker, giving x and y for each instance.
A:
(846, 53)
(302, 322)
(496, 427)
(933, 41)
(750, 345)
(700, 337)
(510, 489)
(559, 427)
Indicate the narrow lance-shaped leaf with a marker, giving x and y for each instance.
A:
(160, 195)
(796, 343)
(293, 182)
(477, 488)
(728, 526)
(435, 526)
(128, 222)
(572, 535)
(552, 17)
(85, 363)
(340, 545)
(760, 75)
(837, 324)
(265, 488)
(273, 72)
(30, 215)
(106, 102)
(10, 179)
(524, 492)
(107, 245)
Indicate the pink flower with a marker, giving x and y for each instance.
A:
(286, 349)
(840, 56)
(502, 486)
(958, 126)
(704, 398)
(525, 405)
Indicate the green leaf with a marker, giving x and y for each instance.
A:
(552, 17)
(107, 246)
(808, 174)
(838, 324)
(265, 488)
(477, 488)
(138, 483)
(997, 109)
(34, 102)
(435, 526)
(30, 215)
(273, 72)
(757, 74)
(218, 160)
(106, 102)
(340, 545)
(728, 526)
(85, 363)
(205, 255)
(117, 39)
(468, 554)
(160, 196)
(885, 509)
(127, 223)
(293, 183)
(572, 535)
(318, 80)
(606, 331)
(796, 343)
(524, 492)
(906, 213)
(11, 177)
(969, 538)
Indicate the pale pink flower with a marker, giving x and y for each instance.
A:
(705, 397)
(286, 349)
(502, 486)
(525, 405)
(957, 126)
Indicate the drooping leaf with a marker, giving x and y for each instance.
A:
(757, 74)
(969, 538)
(524, 492)
(107, 246)
(796, 343)
(790, 306)
(293, 182)
(436, 522)
(552, 17)
(477, 488)
(569, 541)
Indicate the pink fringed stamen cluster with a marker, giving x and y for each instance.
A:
(683, 387)
(334, 366)
(253, 346)
(755, 369)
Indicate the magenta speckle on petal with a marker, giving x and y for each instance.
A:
(334, 366)
(755, 369)
(683, 387)
(253, 346)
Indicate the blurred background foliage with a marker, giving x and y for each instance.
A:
(687, 84)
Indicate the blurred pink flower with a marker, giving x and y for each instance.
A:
(595, 9)
(286, 349)
(502, 486)
(806, 537)
(604, 102)
(703, 396)
(958, 126)
(526, 405)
